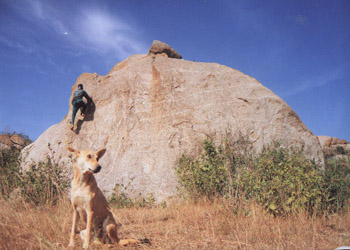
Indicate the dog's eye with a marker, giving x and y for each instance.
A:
(89, 156)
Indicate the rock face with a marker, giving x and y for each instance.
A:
(159, 47)
(151, 109)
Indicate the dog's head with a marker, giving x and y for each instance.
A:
(87, 161)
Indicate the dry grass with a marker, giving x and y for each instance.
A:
(183, 225)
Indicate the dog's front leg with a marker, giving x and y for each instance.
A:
(74, 224)
(88, 229)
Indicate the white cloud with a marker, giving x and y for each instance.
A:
(91, 29)
(106, 33)
(16, 45)
(316, 82)
(47, 14)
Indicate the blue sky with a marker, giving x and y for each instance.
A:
(298, 49)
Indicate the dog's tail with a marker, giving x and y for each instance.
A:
(113, 236)
(133, 242)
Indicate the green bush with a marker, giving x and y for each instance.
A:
(340, 150)
(281, 179)
(44, 182)
(206, 176)
(120, 199)
(9, 172)
(337, 184)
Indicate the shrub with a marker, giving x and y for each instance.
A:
(340, 150)
(44, 182)
(337, 184)
(205, 176)
(9, 172)
(282, 180)
(120, 199)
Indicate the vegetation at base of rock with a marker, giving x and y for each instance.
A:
(337, 184)
(42, 183)
(281, 179)
(119, 198)
(9, 172)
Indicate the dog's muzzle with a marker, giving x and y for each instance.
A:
(97, 169)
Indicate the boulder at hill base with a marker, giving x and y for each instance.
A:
(151, 109)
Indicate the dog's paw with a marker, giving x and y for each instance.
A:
(86, 245)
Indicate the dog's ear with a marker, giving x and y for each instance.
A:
(74, 151)
(100, 153)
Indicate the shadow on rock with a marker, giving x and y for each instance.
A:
(89, 116)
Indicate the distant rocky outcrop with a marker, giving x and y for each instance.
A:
(150, 109)
(13, 141)
(334, 147)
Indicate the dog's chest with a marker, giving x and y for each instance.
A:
(80, 196)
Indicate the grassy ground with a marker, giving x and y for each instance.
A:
(183, 225)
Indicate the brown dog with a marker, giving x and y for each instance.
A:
(90, 204)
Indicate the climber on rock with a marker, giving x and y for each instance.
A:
(78, 103)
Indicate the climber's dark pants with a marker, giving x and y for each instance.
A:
(76, 106)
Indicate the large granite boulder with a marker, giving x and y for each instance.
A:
(150, 109)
